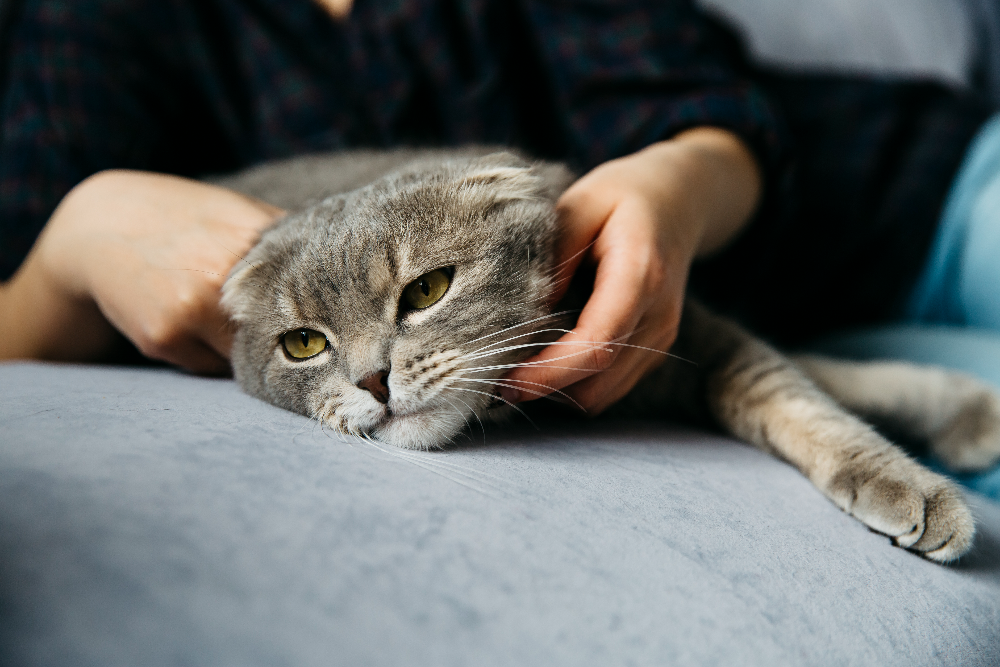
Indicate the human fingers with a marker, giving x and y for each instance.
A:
(595, 394)
(169, 315)
(217, 333)
(194, 355)
(583, 211)
(618, 301)
(198, 345)
(638, 354)
(195, 341)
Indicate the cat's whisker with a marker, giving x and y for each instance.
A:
(522, 364)
(499, 383)
(322, 418)
(321, 423)
(236, 254)
(561, 266)
(212, 273)
(311, 422)
(460, 413)
(441, 468)
(542, 362)
(465, 471)
(614, 342)
(501, 398)
(532, 302)
(593, 343)
(547, 364)
(524, 324)
(487, 352)
(507, 340)
(436, 468)
(373, 450)
(502, 382)
(472, 410)
(366, 439)
(511, 348)
(327, 430)
(348, 439)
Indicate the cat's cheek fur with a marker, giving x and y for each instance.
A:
(418, 379)
(345, 408)
(425, 430)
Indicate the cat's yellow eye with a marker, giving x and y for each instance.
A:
(303, 343)
(427, 289)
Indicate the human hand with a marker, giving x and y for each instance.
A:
(146, 253)
(642, 220)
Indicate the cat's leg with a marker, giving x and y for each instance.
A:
(958, 415)
(760, 395)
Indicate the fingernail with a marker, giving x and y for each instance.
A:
(510, 395)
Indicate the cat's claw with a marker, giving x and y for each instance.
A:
(949, 529)
(920, 510)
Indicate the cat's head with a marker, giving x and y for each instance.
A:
(394, 310)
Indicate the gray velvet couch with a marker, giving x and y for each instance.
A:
(148, 517)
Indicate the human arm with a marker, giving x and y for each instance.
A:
(642, 219)
(139, 252)
(338, 9)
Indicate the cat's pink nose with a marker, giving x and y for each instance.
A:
(378, 385)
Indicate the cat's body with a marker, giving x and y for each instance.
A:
(394, 311)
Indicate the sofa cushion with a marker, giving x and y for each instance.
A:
(148, 517)
(938, 39)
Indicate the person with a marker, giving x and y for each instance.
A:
(800, 204)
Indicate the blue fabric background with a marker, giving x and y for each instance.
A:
(974, 351)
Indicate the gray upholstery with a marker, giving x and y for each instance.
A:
(152, 518)
(941, 39)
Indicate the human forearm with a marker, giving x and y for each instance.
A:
(39, 321)
(712, 182)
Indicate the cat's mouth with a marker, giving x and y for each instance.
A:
(427, 424)
(420, 429)
(398, 415)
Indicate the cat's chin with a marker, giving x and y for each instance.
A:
(420, 430)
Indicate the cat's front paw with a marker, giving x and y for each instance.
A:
(919, 509)
(971, 439)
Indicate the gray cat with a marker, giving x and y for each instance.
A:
(403, 285)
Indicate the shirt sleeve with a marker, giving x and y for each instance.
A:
(82, 89)
(199, 86)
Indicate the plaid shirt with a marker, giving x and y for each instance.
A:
(199, 86)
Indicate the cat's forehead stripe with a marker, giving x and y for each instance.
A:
(377, 272)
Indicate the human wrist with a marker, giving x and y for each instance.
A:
(714, 185)
(40, 320)
(60, 258)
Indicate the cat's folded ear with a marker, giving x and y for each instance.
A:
(521, 180)
(237, 300)
(248, 287)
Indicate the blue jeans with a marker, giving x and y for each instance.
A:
(960, 284)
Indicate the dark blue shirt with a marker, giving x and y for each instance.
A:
(200, 86)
